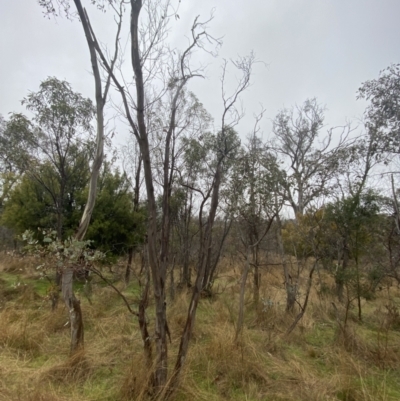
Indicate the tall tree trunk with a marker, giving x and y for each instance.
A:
(129, 266)
(186, 271)
(157, 267)
(172, 281)
(341, 271)
(291, 288)
(246, 269)
(211, 268)
(74, 308)
(73, 305)
(256, 277)
(158, 274)
(143, 304)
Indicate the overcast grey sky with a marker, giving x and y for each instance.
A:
(312, 48)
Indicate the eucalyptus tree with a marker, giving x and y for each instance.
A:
(311, 163)
(101, 93)
(376, 147)
(382, 115)
(391, 237)
(382, 145)
(61, 128)
(58, 134)
(355, 229)
(251, 195)
(226, 145)
(176, 79)
(132, 167)
(30, 205)
(15, 142)
(360, 159)
(16, 137)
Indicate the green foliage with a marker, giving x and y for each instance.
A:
(28, 207)
(16, 143)
(353, 226)
(254, 178)
(115, 225)
(57, 107)
(353, 219)
(62, 254)
(31, 202)
(53, 148)
(383, 113)
(305, 236)
(54, 151)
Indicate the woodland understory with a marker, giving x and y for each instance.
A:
(203, 259)
(319, 360)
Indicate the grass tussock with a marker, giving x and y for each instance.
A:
(19, 332)
(324, 358)
(136, 383)
(76, 369)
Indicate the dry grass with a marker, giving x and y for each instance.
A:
(316, 362)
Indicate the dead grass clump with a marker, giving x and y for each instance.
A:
(22, 294)
(27, 295)
(104, 300)
(350, 340)
(15, 265)
(55, 321)
(274, 282)
(177, 313)
(9, 294)
(76, 369)
(17, 331)
(320, 310)
(272, 319)
(225, 364)
(384, 344)
(137, 383)
(38, 395)
(357, 381)
(392, 317)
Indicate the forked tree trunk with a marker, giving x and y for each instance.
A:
(72, 303)
(304, 306)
